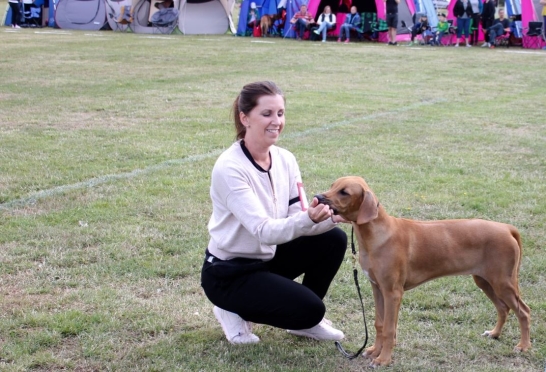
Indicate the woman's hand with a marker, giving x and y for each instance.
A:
(318, 212)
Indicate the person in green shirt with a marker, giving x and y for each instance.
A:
(441, 29)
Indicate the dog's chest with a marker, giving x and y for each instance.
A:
(364, 264)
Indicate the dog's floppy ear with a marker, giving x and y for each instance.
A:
(368, 209)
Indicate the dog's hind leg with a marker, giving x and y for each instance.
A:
(509, 294)
(506, 297)
(502, 308)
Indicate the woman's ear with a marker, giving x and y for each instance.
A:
(243, 118)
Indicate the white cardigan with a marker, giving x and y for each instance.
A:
(254, 210)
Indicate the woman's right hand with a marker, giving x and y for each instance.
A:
(318, 212)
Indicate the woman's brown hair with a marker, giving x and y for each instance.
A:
(248, 99)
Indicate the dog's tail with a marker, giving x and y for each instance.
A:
(516, 235)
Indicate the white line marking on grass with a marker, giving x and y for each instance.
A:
(32, 198)
(159, 37)
(263, 42)
(52, 32)
(522, 52)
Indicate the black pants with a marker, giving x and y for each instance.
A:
(15, 14)
(486, 23)
(266, 293)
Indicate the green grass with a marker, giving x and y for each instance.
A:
(107, 141)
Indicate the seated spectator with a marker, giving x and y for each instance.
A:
(500, 26)
(303, 21)
(253, 17)
(352, 22)
(419, 28)
(164, 4)
(326, 21)
(441, 29)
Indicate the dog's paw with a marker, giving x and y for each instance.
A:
(490, 334)
(372, 352)
(380, 362)
(521, 348)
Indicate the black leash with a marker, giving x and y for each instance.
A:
(355, 274)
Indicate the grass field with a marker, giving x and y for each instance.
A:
(107, 141)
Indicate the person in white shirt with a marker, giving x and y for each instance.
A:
(326, 21)
(264, 234)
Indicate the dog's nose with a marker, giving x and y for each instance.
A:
(321, 199)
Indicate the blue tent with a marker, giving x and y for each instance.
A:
(292, 7)
(513, 8)
(269, 7)
(263, 6)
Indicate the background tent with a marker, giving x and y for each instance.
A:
(264, 7)
(202, 17)
(113, 9)
(427, 7)
(406, 10)
(80, 14)
(513, 8)
(143, 10)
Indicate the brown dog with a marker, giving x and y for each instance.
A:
(399, 254)
(266, 21)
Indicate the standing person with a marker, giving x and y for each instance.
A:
(500, 26)
(352, 22)
(543, 3)
(303, 20)
(488, 17)
(463, 11)
(477, 7)
(15, 13)
(263, 234)
(253, 20)
(392, 19)
(326, 21)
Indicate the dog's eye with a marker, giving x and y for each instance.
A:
(343, 192)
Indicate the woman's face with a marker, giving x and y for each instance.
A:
(327, 10)
(265, 122)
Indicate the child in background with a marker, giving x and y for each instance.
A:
(441, 29)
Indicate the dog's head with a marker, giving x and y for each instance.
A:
(351, 198)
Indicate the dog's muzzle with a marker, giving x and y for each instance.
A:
(322, 200)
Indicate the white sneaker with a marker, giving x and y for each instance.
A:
(457, 45)
(322, 331)
(323, 41)
(316, 32)
(485, 45)
(468, 46)
(236, 329)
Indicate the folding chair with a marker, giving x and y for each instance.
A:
(380, 26)
(447, 40)
(164, 20)
(124, 19)
(31, 15)
(533, 38)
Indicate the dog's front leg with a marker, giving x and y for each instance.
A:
(373, 351)
(392, 298)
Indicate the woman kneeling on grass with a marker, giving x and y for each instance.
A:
(263, 234)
